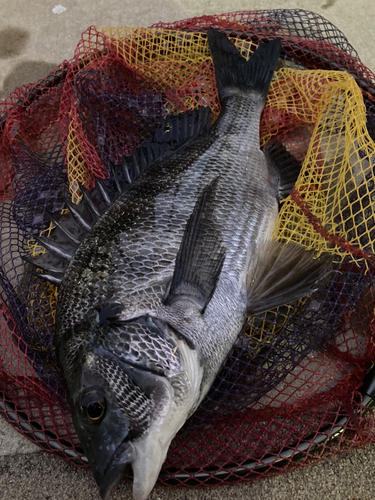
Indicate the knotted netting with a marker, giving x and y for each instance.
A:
(289, 392)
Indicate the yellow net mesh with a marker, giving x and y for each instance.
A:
(336, 181)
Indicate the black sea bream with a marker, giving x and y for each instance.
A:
(155, 288)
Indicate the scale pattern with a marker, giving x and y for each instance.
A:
(133, 402)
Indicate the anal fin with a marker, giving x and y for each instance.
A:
(281, 274)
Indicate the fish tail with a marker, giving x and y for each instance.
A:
(233, 71)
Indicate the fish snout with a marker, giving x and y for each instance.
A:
(114, 470)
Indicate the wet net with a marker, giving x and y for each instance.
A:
(289, 393)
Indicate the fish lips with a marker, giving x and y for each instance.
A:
(121, 459)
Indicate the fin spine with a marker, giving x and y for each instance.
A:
(89, 202)
(103, 192)
(62, 228)
(78, 217)
(49, 245)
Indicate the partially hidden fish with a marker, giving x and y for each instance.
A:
(156, 284)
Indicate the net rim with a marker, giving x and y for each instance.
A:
(281, 458)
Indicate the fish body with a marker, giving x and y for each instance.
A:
(147, 224)
(159, 287)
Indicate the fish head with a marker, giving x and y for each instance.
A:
(128, 403)
(105, 430)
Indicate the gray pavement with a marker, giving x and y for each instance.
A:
(349, 476)
(33, 41)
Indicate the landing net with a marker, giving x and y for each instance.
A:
(288, 394)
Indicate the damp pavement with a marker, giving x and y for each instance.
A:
(33, 41)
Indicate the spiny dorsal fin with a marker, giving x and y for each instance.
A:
(232, 70)
(173, 133)
(201, 255)
(284, 164)
(281, 274)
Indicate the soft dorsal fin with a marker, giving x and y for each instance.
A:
(173, 133)
(281, 274)
(201, 255)
(284, 164)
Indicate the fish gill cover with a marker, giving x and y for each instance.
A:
(292, 379)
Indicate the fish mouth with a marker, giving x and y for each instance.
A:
(116, 468)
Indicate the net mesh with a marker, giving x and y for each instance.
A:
(288, 392)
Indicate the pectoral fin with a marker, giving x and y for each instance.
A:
(201, 255)
(281, 274)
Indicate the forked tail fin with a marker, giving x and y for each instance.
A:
(232, 70)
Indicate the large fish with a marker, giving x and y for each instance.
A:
(156, 285)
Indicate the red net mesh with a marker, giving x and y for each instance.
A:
(288, 393)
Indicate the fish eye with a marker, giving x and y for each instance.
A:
(93, 408)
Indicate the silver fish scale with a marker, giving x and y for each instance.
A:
(143, 229)
(132, 400)
(137, 345)
(70, 351)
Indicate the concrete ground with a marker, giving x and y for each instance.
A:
(33, 41)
